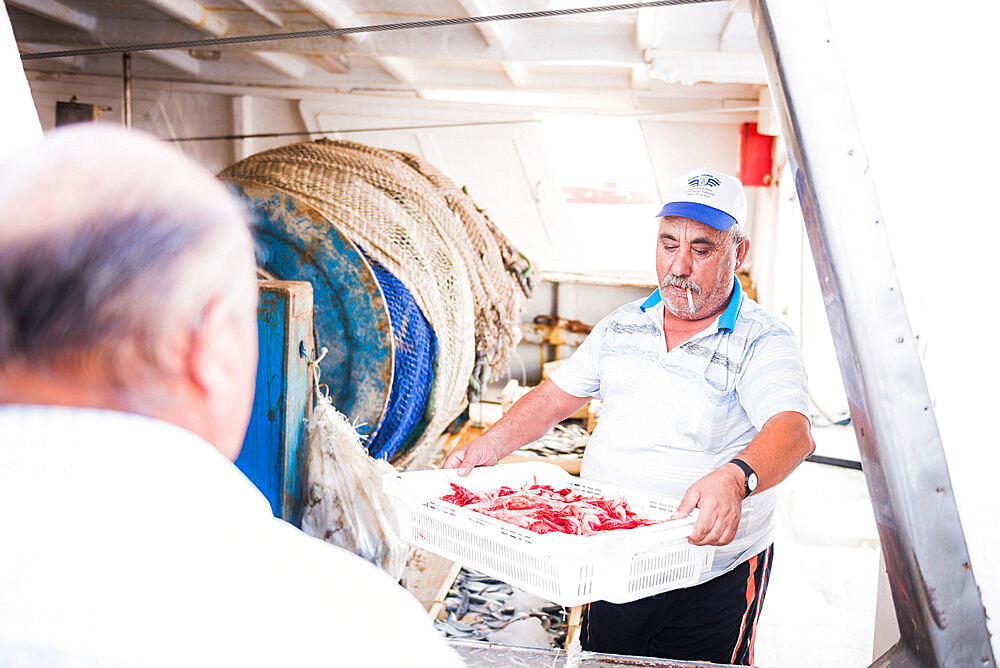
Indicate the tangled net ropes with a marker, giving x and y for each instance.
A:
(464, 275)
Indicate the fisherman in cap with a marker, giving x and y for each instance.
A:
(704, 398)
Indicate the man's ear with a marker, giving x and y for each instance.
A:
(207, 364)
(221, 367)
(742, 251)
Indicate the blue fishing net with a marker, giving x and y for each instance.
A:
(413, 368)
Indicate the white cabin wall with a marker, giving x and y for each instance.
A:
(676, 147)
(256, 114)
(156, 108)
(193, 115)
(495, 152)
(784, 275)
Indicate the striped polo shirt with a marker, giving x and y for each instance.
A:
(670, 417)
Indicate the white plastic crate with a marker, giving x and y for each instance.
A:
(618, 566)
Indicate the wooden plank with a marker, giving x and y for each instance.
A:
(425, 575)
(437, 609)
(58, 12)
(299, 349)
(569, 464)
(274, 449)
(573, 625)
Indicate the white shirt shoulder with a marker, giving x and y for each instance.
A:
(133, 542)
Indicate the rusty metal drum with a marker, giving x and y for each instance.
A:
(351, 317)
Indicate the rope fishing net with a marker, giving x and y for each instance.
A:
(466, 278)
(412, 364)
(494, 262)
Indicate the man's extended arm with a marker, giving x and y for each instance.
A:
(783, 443)
(528, 419)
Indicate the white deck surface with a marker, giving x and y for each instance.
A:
(820, 606)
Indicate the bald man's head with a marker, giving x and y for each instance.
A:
(126, 282)
(110, 241)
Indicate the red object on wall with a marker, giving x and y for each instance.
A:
(756, 151)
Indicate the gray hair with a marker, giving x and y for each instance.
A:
(110, 243)
(736, 234)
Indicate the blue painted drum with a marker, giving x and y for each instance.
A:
(413, 368)
(351, 318)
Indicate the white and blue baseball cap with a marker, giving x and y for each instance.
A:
(708, 196)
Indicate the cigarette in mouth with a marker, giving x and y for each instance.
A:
(690, 302)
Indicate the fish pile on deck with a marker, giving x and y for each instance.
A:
(563, 440)
(479, 607)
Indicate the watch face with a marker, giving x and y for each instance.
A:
(752, 481)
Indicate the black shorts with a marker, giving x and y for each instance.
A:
(715, 621)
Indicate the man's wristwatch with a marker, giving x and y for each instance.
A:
(750, 482)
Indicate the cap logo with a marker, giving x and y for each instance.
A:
(703, 180)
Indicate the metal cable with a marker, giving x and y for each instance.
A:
(330, 32)
(309, 133)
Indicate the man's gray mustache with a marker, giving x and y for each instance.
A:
(683, 283)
